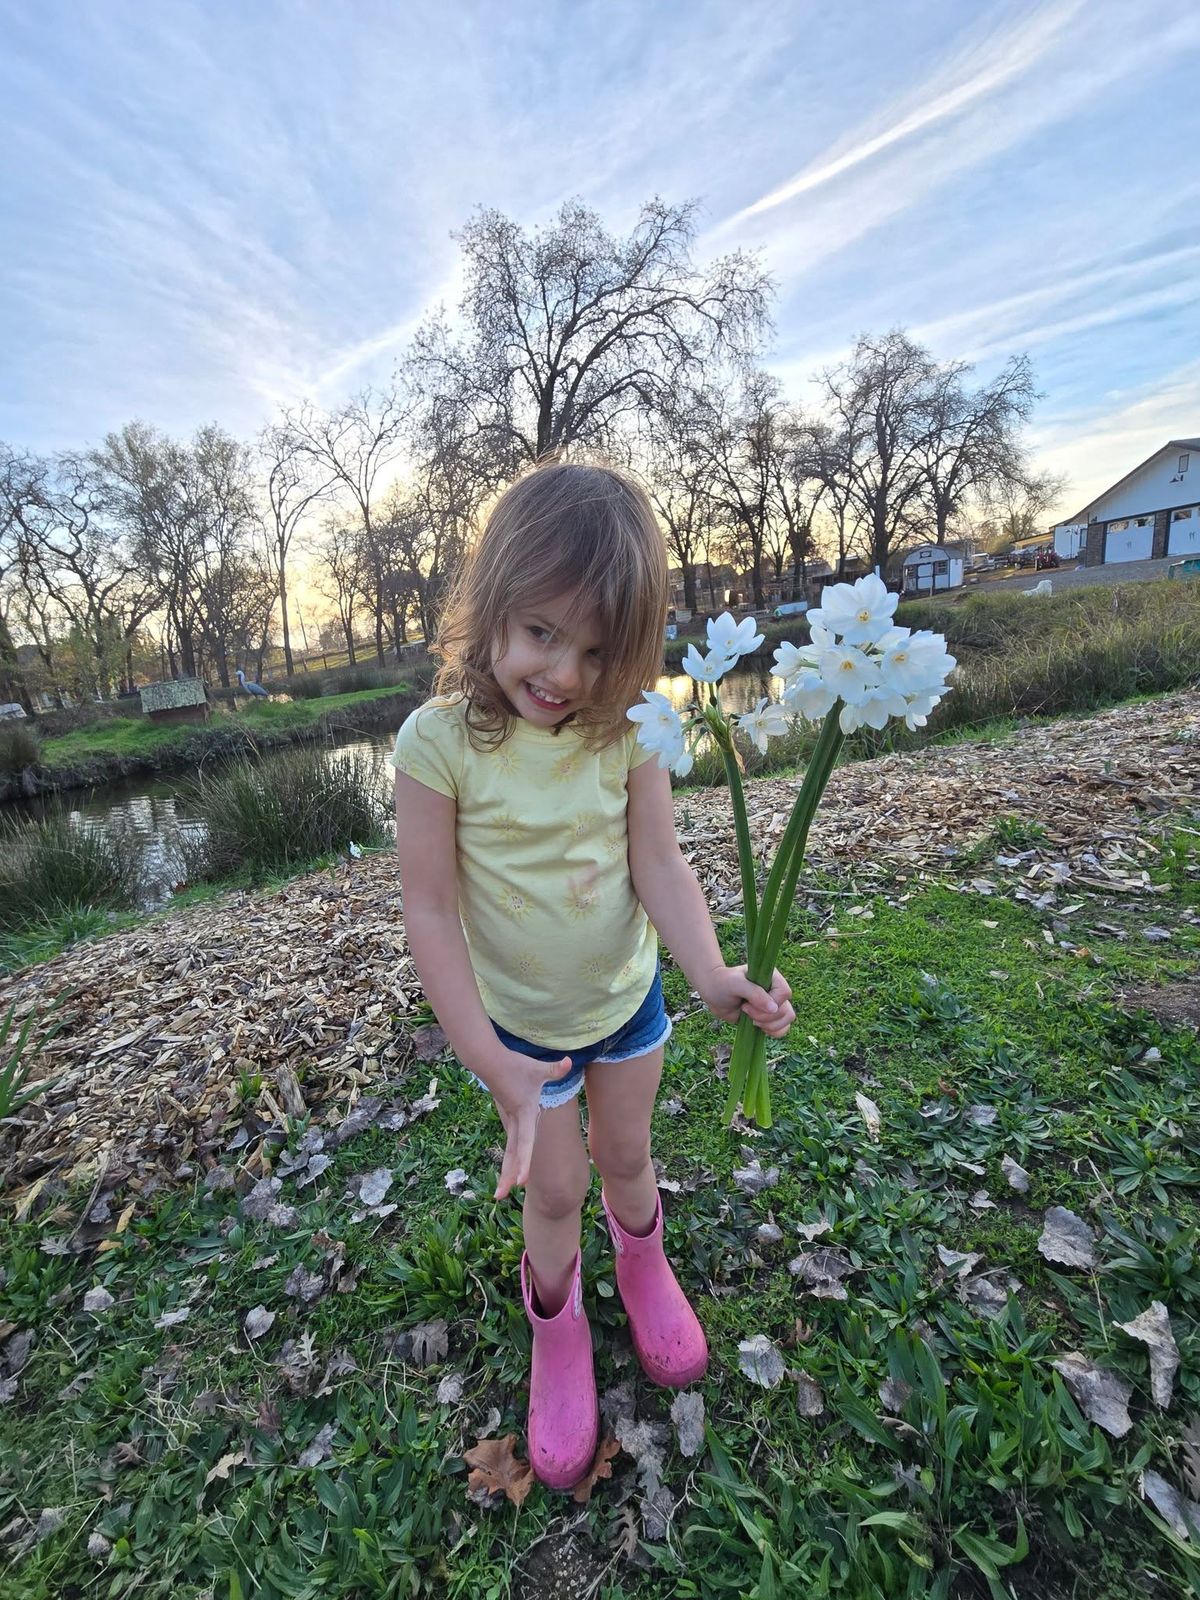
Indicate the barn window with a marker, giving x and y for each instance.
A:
(1141, 522)
(1185, 514)
(1118, 527)
(1183, 462)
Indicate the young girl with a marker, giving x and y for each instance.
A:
(540, 866)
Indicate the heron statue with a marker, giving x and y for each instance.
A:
(256, 690)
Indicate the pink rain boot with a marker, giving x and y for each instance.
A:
(667, 1335)
(564, 1417)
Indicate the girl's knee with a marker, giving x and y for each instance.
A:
(619, 1154)
(560, 1191)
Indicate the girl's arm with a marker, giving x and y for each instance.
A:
(675, 904)
(425, 844)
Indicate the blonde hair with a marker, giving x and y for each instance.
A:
(565, 527)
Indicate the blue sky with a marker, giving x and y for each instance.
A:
(209, 208)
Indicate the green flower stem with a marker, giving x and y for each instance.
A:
(748, 1082)
(795, 836)
(737, 797)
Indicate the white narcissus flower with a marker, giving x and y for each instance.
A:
(848, 671)
(919, 706)
(809, 696)
(859, 612)
(767, 721)
(875, 710)
(706, 669)
(683, 763)
(916, 663)
(659, 725)
(791, 659)
(729, 638)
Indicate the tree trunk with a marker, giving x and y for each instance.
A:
(348, 629)
(287, 634)
(12, 679)
(689, 586)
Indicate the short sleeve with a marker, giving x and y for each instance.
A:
(429, 748)
(636, 755)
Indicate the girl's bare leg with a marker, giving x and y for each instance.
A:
(559, 1178)
(621, 1096)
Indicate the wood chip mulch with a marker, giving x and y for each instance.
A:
(168, 1024)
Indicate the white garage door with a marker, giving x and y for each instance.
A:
(1183, 533)
(1130, 539)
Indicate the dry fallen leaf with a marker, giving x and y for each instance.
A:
(1015, 1176)
(321, 1447)
(687, 1413)
(1102, 1396)
(225, 1465)
(601, 1467)
(1182, 1515)
(495, 1469)
(752, 1178)
(761, 1361)
(1153, 1328)
(1066, 1238)
(257, 1321)
(822, 1270)
(870, 1114)
(810, 1399)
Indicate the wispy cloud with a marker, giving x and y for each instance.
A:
(978, 71)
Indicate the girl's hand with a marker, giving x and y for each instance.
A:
(727, 992)
(516, 1084)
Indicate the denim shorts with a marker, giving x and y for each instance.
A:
(647, 1028)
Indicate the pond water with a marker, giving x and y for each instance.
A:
(152, 809)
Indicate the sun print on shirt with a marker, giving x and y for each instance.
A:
(527, 966)
(513, 903)
(583, 893)
(582, 826)
(567, 766)
(508, 827)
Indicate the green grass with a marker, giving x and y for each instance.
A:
(990, 1483)
(273, 815)
(137, 736)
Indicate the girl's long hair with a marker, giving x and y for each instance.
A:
(563, 528)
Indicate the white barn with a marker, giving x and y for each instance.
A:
(931, 567)
(1152, 512)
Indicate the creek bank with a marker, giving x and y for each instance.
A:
(191, 750)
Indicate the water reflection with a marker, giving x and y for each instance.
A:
(155, 810)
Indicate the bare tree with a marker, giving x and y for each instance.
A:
(339, 572)
(296, 482)
(1017, 507)
(877, 406)
(149, 487)
(741, 442)
(681, 477)
(356, 445)
(21, 477)
(570, 329)
(971, 446)
(796, 490)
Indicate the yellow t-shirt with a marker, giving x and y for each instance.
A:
(561, 948)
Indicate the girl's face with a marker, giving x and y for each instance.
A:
(548, 667)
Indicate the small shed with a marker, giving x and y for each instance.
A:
(176, 700)
(931, 567)
(12, 708)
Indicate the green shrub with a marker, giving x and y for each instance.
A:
(299, 805)
(52, 865)
(20, 745)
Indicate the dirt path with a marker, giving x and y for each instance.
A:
(169, 1023)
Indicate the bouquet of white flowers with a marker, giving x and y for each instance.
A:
(858, 670)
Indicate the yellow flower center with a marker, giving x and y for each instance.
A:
(847, 666)
(864, 616)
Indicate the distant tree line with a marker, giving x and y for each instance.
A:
(147, 554)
